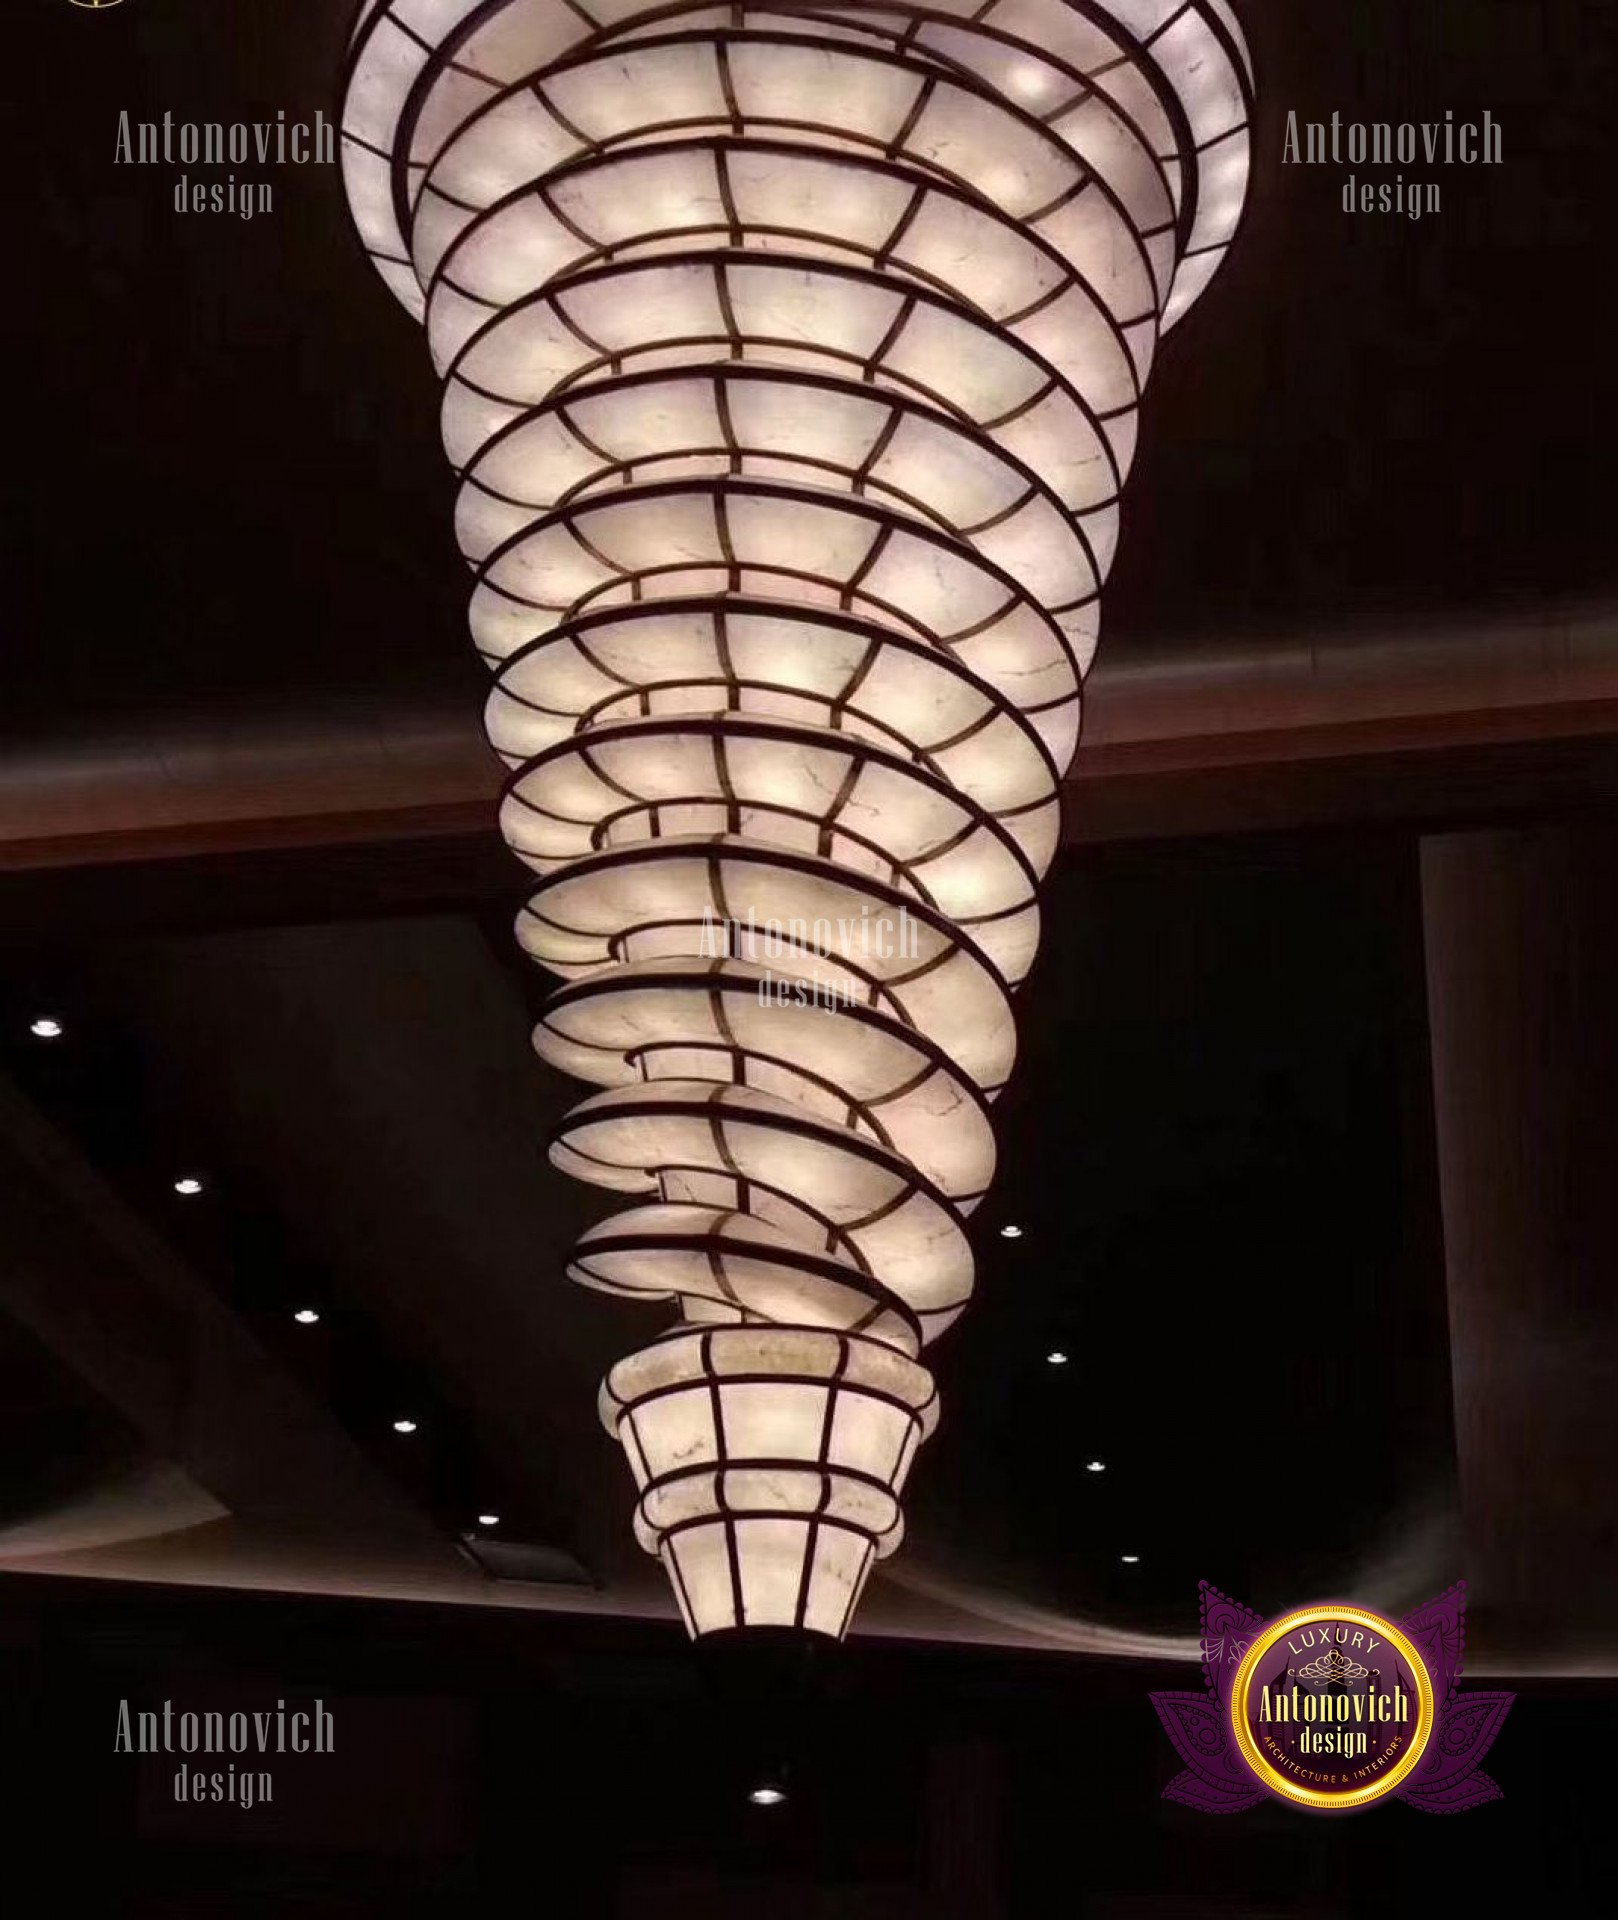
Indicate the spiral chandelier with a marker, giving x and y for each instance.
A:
(791, 356)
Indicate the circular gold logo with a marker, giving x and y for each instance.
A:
(95, 3)
(1332, 1706)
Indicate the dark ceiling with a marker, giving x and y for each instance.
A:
(233, 497)
(582, 1772)
(227, 506)
(1228, 1047)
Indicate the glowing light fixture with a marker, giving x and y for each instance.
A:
(188, 1185)
(488, 1519)
(767, 1796)
(45, 1028)
(404, 1426)
(306, 1317)
(791, 362)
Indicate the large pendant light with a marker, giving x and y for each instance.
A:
(791, 358)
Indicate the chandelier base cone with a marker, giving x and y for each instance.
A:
(791, 363)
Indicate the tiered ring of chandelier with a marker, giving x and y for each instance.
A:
(791, 359)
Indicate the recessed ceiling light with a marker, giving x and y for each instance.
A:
(1095, 1466)
(188, 1184)
(1011, 1233)
(306, 1316)
(1130, 1559)
(404, 1426)
(45, 1028)
(767, 1796)
(488, 1519)
(1056, 1358)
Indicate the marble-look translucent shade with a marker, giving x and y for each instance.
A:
(769, 1462)
(791, 364)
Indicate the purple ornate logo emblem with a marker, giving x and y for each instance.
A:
(1332, 1707)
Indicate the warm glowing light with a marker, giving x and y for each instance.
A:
(1031, 80)
(767, 1796)
(488, 1519)
(1011, 1233)
(791, 364)
(404, 1426)
(1056, 1358)
(189, 1185)
(45, 1028)
(1130, 1559)
(306, 1317)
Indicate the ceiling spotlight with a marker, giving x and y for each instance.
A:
(1011, 1233)
(188, 1184)
(404, 1426)
(45, 1028)
(306, 1316)
(1056, 1358)
(1095, 1466)
(1130, 1559)
(488, 1519)
(767, 1796)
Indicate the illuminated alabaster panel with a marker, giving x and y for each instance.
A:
(791, 359)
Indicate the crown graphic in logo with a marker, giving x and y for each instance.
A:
(1333, 1666)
